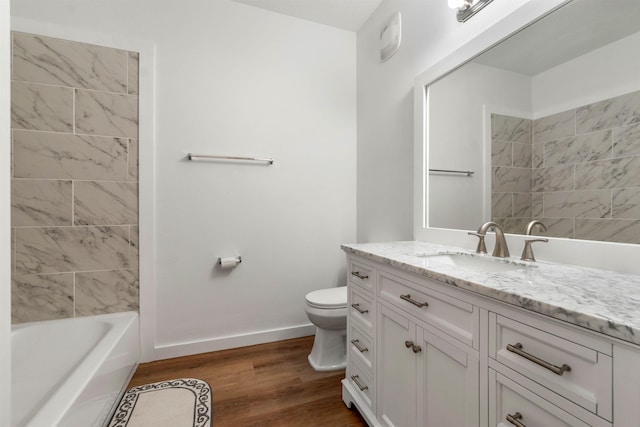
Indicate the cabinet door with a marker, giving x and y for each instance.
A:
(396, 370)
(448, 387)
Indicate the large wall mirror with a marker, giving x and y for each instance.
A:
(544, 125)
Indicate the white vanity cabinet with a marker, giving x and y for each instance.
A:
(422, 378)
(425, 368)
(425, 353)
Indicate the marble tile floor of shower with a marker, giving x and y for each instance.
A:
(263, 385)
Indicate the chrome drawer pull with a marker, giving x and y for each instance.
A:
(513, 419)
(357, 345)
(517, 349)
(358, 275)
(358, 309)
(408, 298)
(356, 379)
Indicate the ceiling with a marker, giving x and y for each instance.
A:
(575, 29)
(348, 15)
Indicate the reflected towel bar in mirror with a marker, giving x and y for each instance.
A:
(250, 159)
(467, 173)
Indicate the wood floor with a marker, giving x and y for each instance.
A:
(262, 385)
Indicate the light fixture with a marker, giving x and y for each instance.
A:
(467, 8)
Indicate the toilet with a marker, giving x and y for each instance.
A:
(327, 310)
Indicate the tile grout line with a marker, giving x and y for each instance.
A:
(92, 135)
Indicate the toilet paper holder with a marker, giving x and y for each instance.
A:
(229, 262)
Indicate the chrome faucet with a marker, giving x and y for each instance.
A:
(500, 249)
(527, 252)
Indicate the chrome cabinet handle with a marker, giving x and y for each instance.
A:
(356, 379)
(357, 345)
(558, 370)
(358, 275)
(358, 309)
(408, 298)
(513, 419)
(412, 346)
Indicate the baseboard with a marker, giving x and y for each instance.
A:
(169, 351)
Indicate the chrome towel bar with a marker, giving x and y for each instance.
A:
(251, 159)
(467, 173)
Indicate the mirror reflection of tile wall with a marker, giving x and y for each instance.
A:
(584, 176)
(74, 191)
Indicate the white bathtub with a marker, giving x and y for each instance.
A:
(71, 372)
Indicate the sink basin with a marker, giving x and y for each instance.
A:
(471, 262)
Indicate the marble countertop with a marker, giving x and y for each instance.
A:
(599, 300)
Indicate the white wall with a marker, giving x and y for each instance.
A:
(236, 80)
(607, 72)
(5, 223)
(385, 105)
(468, 95)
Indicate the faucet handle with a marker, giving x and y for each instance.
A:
(482, 248)
(527, 252)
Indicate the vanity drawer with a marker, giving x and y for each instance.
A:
(578, 373)
(507, 398)
(361, 309)
(361, 346)
(457, 318)
(361, 381)
(362, 274)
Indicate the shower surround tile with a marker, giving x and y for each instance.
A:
(615, 173)
(134, 246)
(514, 180)
(554, 178)
(559, 227)
(578, 204)
(522, 155)
(36, 298)
(579, 148)
(554, 126)
(501, 205)
(106, 292)
(626, 203)
(66, 156)
(74, 246)
(60, 62)
(611, 230)
(509, 128)
(40, 202)
(626, 141)
(66, 249)
(40, 107)
(108, 114)
(522, 205)
(133, 72)
(501, 153)
(614, 112)
(133, 160)
(105, 203)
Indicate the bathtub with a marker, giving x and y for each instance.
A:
(71, 372)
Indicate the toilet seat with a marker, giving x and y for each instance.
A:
(328, 298)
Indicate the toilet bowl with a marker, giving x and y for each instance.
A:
(327, 310)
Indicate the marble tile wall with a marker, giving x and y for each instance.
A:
(586, 171)
(511, 162)
(74, 192)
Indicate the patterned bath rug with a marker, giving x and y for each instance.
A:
(184, 402)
